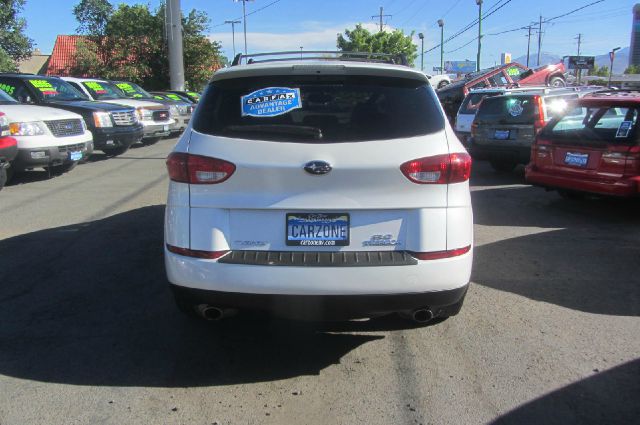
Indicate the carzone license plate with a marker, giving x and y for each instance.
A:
(321, 229)
(578, 159)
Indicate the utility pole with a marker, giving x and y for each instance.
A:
(173, 29)
(539, 39)
(441, 25)
(380, 15)
(421, 37)
(244, 21)
(233, 34)
(579, 71)
(479, 3)
(528, 44)
(612, 56)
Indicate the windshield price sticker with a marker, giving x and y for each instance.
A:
(624, 129)
(270, 102)
(7, 88)
(95, 87)
(44, 86)
(173, 96)
(126, 88)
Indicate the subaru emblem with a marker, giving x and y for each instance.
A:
(317, 167)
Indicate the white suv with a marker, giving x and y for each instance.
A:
(320, 188)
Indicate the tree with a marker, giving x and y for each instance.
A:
(14, 45)
(93, 15)
(361, 40)
(138, 52)
(600, 71)
(632, 69)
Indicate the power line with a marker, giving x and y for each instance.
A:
(250, 13)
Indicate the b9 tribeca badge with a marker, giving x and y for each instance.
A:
(381, 240)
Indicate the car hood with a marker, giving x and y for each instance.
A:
(25, 113)
(135, 103)
(88, 105)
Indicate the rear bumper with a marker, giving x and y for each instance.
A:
(621, 188)
(517, 154)
(330, 307)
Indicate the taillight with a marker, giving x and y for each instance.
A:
(438, 169)
(207, 255)
(438, 255)
(7, 142)
(196, 169)
(539, 124)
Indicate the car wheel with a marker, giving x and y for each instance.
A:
(150, 141)
(57, 170)
(116, 151)
(503, 166)
(3, 177)
(442, 84)
(571, 195)
(557, 82)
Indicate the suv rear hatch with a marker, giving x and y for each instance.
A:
(363, 127)
(591, 142)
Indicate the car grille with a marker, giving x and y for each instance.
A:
(124, 117)
(162, 115)
(65, 128)
(71, 148)
(320, 259)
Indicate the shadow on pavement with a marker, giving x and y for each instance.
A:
(609, 397)
(581, 255)
(88, 304)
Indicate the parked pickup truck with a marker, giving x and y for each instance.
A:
(114, 127)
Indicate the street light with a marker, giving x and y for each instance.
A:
(479, 3)
(612, 56)
(441, 25)
(233, 34)
(421, 37)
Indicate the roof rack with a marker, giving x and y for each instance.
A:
(328, 55)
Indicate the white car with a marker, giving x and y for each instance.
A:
(48, 138)
(154, 117)
(438, 81)
(319, 189)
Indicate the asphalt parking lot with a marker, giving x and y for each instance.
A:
(550, 331)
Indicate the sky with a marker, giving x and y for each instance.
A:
(274, 25)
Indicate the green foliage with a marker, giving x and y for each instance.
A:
(600, 71)
(133, 48)
(93, 16)
(632, 69)
(361, 40)
(14, 45)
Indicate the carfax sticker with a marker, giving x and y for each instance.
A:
(270, 102)
(624, 129)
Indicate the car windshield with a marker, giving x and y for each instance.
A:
(55, 89)
(595, 124)
(102, 90)
(325, 109)
(133, 90)
(6, 99)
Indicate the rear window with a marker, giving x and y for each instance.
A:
(509, 109)
(472, 101)
(318, 109)
(588, 124)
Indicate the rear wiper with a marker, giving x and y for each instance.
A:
(273, 129)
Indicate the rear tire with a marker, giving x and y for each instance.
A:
(557, 82)
(503, 166)
(150, 141)
(57, 170)
(116, 151)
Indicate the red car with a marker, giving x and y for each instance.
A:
(509, 75)
(8, 149)
(592, 148)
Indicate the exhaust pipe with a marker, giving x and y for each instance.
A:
(209, 312)
(422, 315)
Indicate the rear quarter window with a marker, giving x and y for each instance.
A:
(331, 109)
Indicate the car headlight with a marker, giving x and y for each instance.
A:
(144, 114)
(102, 119)
(34, 128)
(84, 125)
(4, 126)
(173, 110)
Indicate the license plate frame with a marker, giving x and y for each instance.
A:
(576, 159)
(502, 134)
(329, 229)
